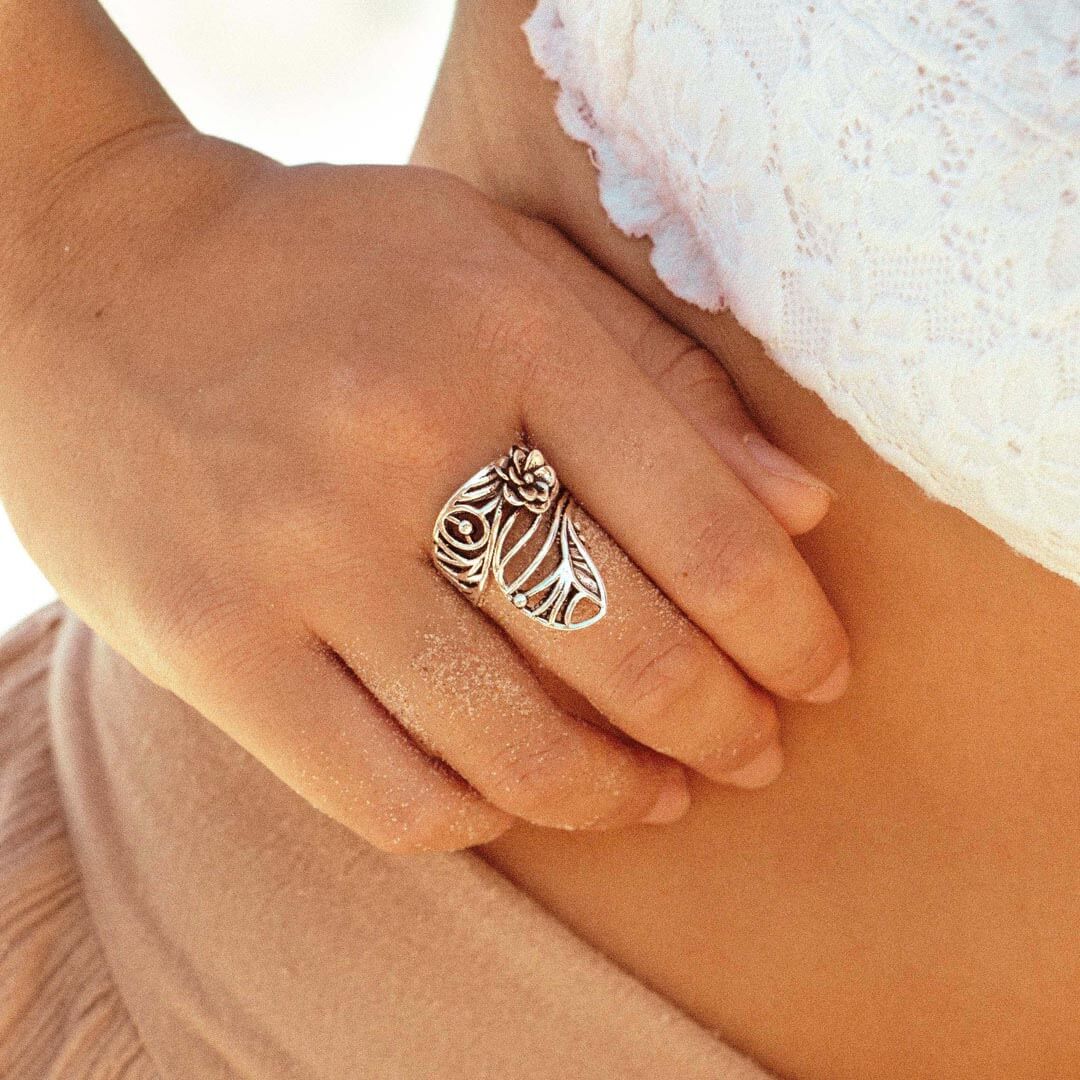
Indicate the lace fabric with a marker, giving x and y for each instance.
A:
(885, 194)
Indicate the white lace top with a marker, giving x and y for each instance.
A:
(886, 193)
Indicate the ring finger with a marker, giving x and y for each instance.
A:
(653, 674)
(465, 694)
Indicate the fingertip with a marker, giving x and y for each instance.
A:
(758, 773)
(833, 686)
(672, 802)
(797, 511)
(797, 497)
(493, 832)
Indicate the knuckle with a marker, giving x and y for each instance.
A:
(201, 624)
(653, 677)
(516, 333)
(536, 777)
(374, 410)
(692, 369)
(198, 627)
(368, 449)
(509, 322)
(735, 560)
(744, 741)
(675, 360)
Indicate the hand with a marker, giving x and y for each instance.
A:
(242, 399)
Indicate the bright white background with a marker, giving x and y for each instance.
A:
(301, 80)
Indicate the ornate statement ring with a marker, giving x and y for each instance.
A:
(511, 522)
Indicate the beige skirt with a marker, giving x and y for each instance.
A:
(168, 908)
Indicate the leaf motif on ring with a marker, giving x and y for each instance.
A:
(538, 560)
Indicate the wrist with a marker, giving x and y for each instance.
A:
(111, 215)
(69, 82)
(91, 147)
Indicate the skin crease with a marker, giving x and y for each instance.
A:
(903, 901)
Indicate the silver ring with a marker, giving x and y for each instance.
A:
(512, 522)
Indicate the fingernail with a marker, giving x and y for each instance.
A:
(833, 686)
(673, 802)
(778, 463)
(760, 772)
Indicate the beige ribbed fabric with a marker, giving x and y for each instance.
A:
(169, 909)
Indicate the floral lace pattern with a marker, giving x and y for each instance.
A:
(886, 194)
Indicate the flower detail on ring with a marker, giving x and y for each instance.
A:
(528, 480)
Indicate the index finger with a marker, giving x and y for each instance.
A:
(667, 497)
(685, 371)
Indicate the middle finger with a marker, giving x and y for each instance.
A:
(652, 673)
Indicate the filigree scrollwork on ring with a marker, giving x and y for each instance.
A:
(511, 521)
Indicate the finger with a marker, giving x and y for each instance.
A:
(691, 377)
(455, 682)
(296, 708)
(697, 384)
(681, 514)
(653, 674)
